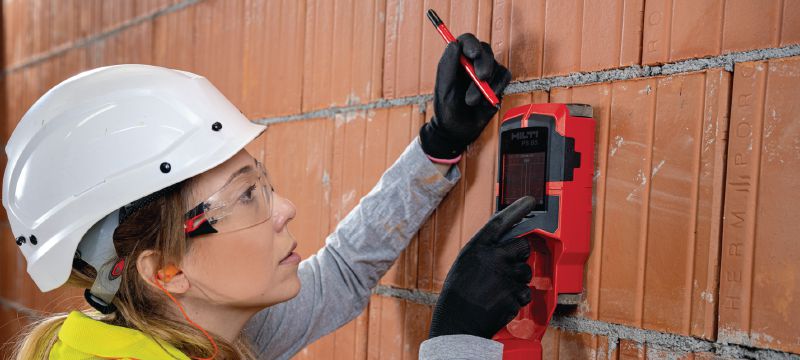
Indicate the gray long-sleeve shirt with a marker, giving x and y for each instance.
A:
(336, 282)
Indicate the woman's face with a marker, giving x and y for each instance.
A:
(252, 267)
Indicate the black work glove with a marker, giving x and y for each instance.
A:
(488, 283)
(460, 110)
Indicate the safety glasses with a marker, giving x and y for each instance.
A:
(244, 201)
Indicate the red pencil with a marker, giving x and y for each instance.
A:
(448, 38)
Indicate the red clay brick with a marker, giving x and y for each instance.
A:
(790, 33)
(70, 63)
(711, 178)
(8, 267)
(431, 42)
(16, 21)
(561, 344)
(15, 91)
(349, 341)
(676, 30)
(318, 50)
(758, 289)
(653, 353)
(391, 328)
(147, 7)
(472, 16)
(577, 346)
(367, 62)
(344, 53)
(396, 328)
(409, 15)
(599, 96)
(550, 343)
(673, 205)
(751, 24)
(642, 201)
(546, 38)
(357, 52)
(218, 47)
(413, 47)
(562, 37)
(134, 45)
(40, 14)
(679, 30)
(258, 147)
(631, 350)
(172, 40)
(90, 19)
(115, 12)
(622, 274)
(607, 45)
(64, 22)
(518, 36)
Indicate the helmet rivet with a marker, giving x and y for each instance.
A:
(20, 240)
(33, 239)
(165, 167)
(216, 126)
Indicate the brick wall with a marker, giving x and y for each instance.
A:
(694, 242)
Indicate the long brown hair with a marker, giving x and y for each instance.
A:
(157, 226)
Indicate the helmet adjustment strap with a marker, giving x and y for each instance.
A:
(97, 249)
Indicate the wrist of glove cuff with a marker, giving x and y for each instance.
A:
(436, 143)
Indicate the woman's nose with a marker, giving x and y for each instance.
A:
(282, 212)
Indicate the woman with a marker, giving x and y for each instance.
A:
(132, 182)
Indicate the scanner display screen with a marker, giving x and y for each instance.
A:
(524, 155)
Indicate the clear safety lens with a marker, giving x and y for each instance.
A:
(244, 202)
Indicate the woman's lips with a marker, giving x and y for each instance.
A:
(292, 257)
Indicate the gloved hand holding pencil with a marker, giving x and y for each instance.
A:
(461, 111)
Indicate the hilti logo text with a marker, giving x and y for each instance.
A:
(525, 135)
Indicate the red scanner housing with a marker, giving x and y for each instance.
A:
(547, 151)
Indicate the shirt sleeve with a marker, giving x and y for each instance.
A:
(336, 282)
(464, 347)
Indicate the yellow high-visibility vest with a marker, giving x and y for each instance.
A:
(82, 337)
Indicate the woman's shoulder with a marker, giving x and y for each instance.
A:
(83, 337)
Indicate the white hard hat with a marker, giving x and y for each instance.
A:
(102, 139)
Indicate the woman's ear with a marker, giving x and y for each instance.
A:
(171, 278)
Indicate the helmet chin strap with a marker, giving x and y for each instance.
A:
(97, 249)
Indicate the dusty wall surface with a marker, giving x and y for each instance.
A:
(695, 241)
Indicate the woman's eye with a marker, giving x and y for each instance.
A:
(247, 196)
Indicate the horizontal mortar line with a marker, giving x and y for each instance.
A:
(332, 111)
(632, 72)
(77, 44)
(615, 332)
(413, 295)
